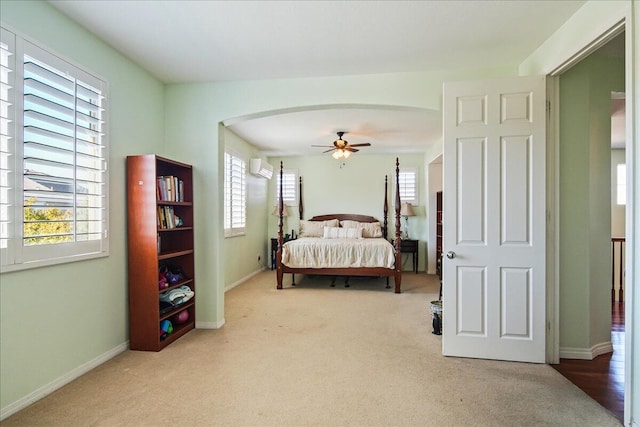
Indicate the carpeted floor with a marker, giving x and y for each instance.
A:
(317, 356)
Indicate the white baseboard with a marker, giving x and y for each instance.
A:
(244, 279)
(602, 348)
(210, 325)
(586, 353)
(220, 324)
(47, 389)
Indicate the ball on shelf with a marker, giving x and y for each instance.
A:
(181, 317)
(166, 326)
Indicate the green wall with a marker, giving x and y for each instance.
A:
(194, 114)
(240, 252)
(585, 194)
(55, 321)
(591, 21)
(40, 345)
(356, 186)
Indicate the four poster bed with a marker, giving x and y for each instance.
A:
(341, 244)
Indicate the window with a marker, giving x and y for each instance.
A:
(289, 187)
(622, 184)
(53, 181)
(235, 195)
(408, 184)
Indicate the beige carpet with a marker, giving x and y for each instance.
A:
(317, 356)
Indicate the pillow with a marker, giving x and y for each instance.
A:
(342, 233)
(314, 228)
(369, 229)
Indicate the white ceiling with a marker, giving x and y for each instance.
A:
(191, 41)
(388, 130)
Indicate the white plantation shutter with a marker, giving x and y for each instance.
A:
(621, 184)
(235, 194)
(7, 141)
(59, 168)
(289, 187)
(408, 185)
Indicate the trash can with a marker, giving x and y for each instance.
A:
(436, 311)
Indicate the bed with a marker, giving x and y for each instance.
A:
(342, 244)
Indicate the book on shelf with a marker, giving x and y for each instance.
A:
(167, 218)
(170, 189)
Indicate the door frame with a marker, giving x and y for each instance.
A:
(553, 194)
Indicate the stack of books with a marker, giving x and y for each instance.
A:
(170, 189)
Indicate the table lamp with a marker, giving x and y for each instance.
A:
(406, 210)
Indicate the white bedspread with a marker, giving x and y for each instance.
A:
(312, 252)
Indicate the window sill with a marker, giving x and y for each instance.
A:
(51, 262)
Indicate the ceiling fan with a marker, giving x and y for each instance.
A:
(342, 148)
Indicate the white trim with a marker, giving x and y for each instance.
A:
(602, 348)
(210, 325)
(553, 220)
(244, 279)
(53, 261)
(60, 382)
(586, 353)
(587, 50)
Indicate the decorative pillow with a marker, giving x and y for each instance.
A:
(369, 229)
(314, 228)
(342, 233)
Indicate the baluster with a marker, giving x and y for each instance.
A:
(621, 278)
(613, 271)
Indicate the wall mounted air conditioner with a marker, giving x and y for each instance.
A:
(261, 168)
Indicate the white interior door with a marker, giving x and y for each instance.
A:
(494, 219)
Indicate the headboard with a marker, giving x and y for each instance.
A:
(344, 217)
(351, 217)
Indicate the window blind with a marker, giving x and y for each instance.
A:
(235, 194)
(7, 140)
(621, 184)
(289, 187)
(64, 184)
(53, 158)
(408, 186)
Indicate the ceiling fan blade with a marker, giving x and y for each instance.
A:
(325, 146)
(353, 150)
(364, 144)
(328, 150)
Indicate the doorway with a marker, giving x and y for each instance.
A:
(591, 355)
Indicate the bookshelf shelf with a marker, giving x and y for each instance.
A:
(155, 242)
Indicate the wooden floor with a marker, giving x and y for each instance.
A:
(603, 377)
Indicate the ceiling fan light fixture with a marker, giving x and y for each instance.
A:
(341, 148)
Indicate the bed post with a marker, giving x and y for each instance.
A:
(279, 272)
(300, 209)
(386, 207)
(398, 267)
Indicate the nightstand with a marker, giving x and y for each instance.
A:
(274, 249)
(409, 246)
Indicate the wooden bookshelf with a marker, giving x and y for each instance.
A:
(153, 243)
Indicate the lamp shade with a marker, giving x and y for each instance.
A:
(284, 211)
(406, 209)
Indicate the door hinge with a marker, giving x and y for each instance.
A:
(548, 106)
